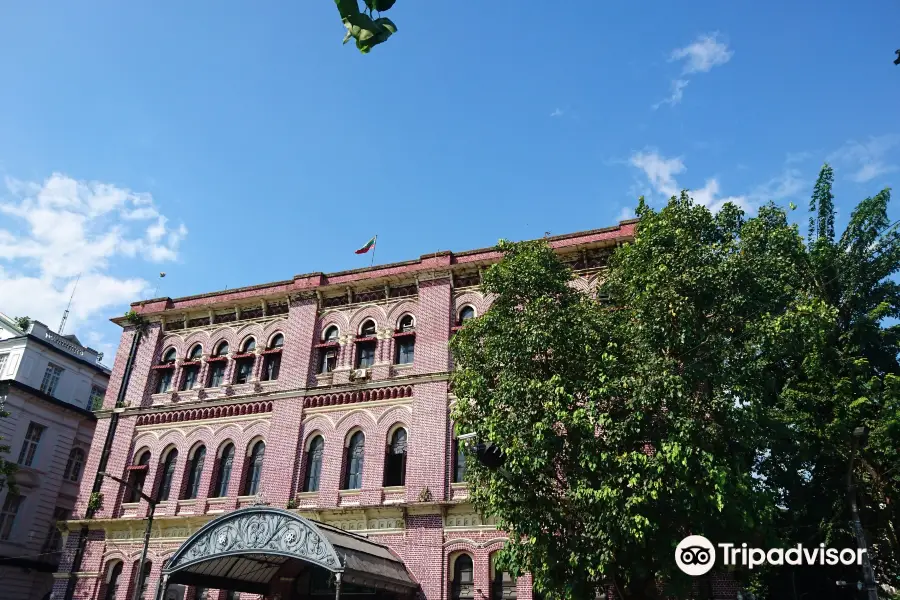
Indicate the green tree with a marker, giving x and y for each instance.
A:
(630, 425)
(851, 379)
(22, 322)
(363, 26)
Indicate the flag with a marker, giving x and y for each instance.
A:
(369, 245)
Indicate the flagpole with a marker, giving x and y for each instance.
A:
(374, 247)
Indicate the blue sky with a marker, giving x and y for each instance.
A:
(230, 143)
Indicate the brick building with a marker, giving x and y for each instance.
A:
(320, 407)
(48, 383)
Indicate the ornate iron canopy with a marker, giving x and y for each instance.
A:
(248, 549)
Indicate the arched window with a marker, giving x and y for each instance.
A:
(314, 464)
(223, 476)
(328, 351)
(244, 366)
(222, 350)
(168, 357)
(112, 583)
(405, 339)
(137, 476)
(365, 347)
(503, 585)
(395, 461)
(74, 465)
(145, 580)
(459, 462)
(164, 376)
(467, 313)
(462, 587)
(168, 473)
(254, 470)
(272, 362)
(367, 329)
(195, 473)
(196, 352)
(354, 461)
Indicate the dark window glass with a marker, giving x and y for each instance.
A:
(217, 374)
(195, 472)
(196, 352)
(169, 356)
(459, 462)
(249, 345)
(354, 460)
(406, 324)
(465, 314)
(168, 473)
(222, 350)
(406, 350)
(112, 586)
(244, 369)
(201, 593)
(164, 382)
(327, 359)
(314, 464)
(368, 329)
(224, 475)
(145, 580)
(8, 514)
(331, 334)
(190, 377)
(254, 472)
(277, 342)
(462, 587)
(395, 462)
(271, 367)
(74, 465)
(503, 586)
(137, 478)
(365, 354)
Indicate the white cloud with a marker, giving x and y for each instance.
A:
(700, 56)
(625, 213)
(703, 54)
(661, 171)
(557, 113)
(51, 232)
(869, 158)
(678, 86)
(788, 184)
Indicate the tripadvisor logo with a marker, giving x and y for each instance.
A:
(695, 555)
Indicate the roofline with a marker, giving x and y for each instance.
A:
(103, 370)
(12, 383)
(440, 260)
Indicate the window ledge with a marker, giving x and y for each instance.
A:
(459, 486)
(307, 494)
(404, 366)
(394, 488)
(349, 492)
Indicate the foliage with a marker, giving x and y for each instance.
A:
(95, 502)
(362, 27)
(7, 468)
(714, 394)
(852, 379)
(137, 321)
(22, 322)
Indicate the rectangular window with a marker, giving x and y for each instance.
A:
(244, 370)
(164, 383)
(96, 401)
(190, 377)
(30, 444)
(365, 354)
(406, 349)
(217, 374)
(3, 358)
(8, 514)
(327, 359)
(51, 378)
(271, 366)
(54, 537)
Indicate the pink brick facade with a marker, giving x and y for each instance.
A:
(426, 522)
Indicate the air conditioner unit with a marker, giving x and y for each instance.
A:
(360, 373)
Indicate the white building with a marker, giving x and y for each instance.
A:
(48, 384)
